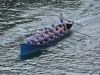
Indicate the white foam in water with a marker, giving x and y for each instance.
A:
(83, 20)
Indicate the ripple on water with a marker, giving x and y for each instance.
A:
(76, 54)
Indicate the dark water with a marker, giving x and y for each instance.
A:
(78, 54)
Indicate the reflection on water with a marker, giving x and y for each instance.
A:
(32, 55)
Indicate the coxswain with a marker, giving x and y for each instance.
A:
(61, 18)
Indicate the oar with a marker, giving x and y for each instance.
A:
(74, 22)
(78, 24)
(70, 21)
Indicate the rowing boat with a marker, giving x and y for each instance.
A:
(25, 49)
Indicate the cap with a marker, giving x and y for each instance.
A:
(41, 29)
(45, 28)
(60, 12)
(31, 34)
(52, 25)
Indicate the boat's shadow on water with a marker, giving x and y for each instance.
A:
(39, 52)
(33, 54)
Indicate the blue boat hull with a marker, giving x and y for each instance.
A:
(25, 49)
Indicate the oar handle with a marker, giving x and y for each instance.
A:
(70, 21)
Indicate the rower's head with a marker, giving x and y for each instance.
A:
(48, 29)
(31, 34)
(60, 25)
(46, 32)
(27, 36)
(52, 25)
(45, 28)
(57, 28)
(60, 13)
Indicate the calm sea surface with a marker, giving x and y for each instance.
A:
(68, 56)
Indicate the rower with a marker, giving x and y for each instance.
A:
(41, 32)
(52, 28)
(41, 39)
(46, 36)
(27, 40)
(61, 29)
(52, 36)
(37, 35)
(31, 36)
(35, 41)
(57, 32)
